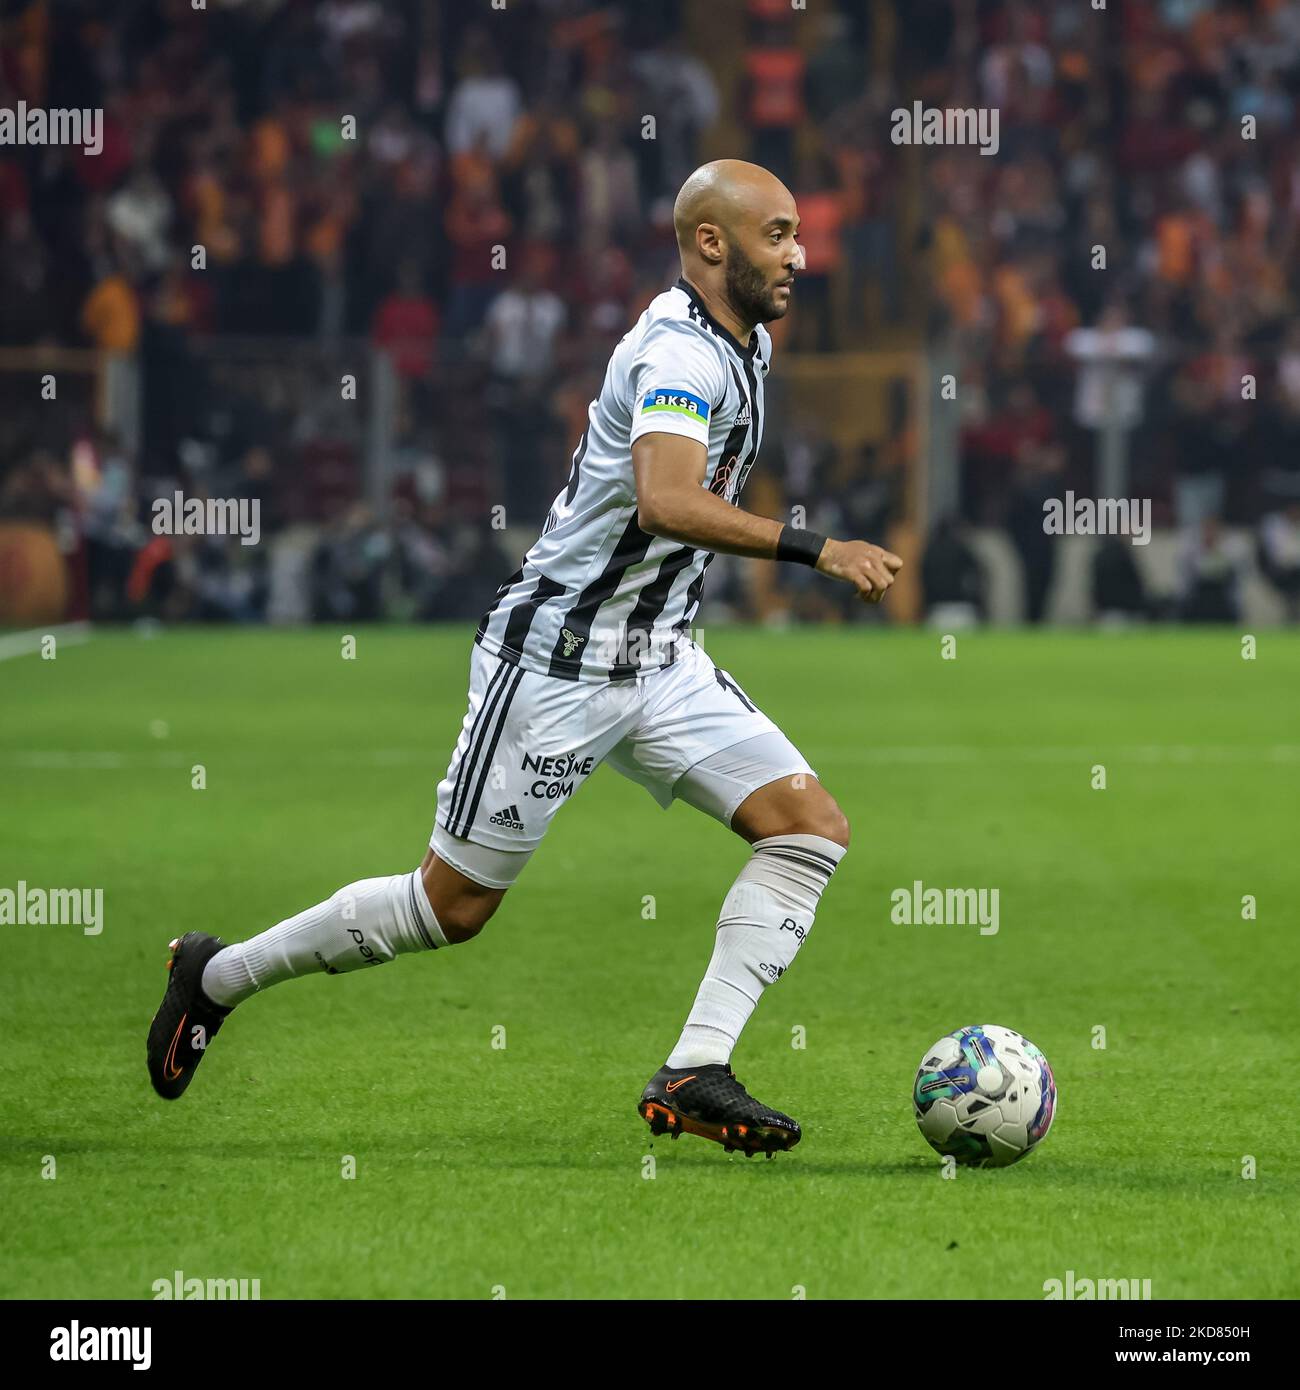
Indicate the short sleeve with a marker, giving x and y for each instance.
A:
(676, 379)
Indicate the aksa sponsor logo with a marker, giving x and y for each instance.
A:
(675, 401)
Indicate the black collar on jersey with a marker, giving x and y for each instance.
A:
(694, 295)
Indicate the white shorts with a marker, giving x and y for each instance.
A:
(529, 742)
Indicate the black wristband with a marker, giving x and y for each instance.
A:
(799, 545)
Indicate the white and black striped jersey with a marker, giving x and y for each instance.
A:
(597, 598)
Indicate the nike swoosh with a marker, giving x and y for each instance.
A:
(673, 1085)
(170, 1061)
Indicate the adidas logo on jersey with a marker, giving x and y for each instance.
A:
(507, 819)
(743, 417)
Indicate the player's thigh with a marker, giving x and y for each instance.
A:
(527, 745)
(703, 740)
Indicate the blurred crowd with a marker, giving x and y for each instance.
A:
(1117, 289)
(288, 186)
(348, 169)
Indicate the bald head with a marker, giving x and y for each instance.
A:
(736, 227)
(730, 194)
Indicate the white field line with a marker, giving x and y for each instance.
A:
(28, 643)
(1096, 752)
(84, 760)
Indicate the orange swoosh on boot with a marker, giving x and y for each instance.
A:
(171, 1054)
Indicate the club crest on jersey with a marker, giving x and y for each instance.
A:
(571, 641)
(674, 401)
(723, 475)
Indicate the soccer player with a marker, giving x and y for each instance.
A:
(585, 657)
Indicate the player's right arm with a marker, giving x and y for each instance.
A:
(675, 382)
(671, 501)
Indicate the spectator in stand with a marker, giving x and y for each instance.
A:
(821, 216)
(774, 89)
(1275, 429)
(1203, 439)
(523, 330)
(684, 93)
(484, 103)
(540, 175)
(476, 224)
(1038, 480)
(867, 165)
(1279, 556)
(406, 326)
(1108, 401)
(993, 448)
(1211, 566)
(524, 323)
(609, 199)
(111, 315)
(603, 298)
(1118, 594)
(139, 215)
(24, 281)
(952, 578)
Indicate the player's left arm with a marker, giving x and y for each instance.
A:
(669, 471)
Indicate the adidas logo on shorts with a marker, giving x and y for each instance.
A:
(507, 819)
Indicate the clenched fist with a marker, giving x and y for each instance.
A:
(867, 567)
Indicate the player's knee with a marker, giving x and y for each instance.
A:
(464, 916)
(461, 905)
(835, 824)
(821, 817)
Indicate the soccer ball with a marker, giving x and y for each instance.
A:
(985, 1095)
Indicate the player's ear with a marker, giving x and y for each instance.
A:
(708, 242)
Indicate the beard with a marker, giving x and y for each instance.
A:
(748, 290)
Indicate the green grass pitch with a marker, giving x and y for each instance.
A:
(523, 1168)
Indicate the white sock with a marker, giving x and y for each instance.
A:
(765, 918)
(366, 923)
